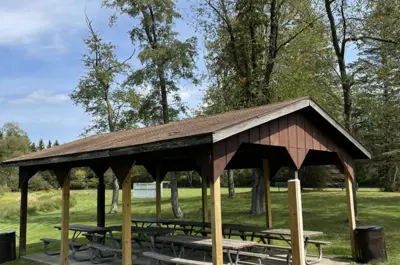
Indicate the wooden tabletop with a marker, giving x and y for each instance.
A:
(84, 228)
(286, 232)
(206, 242)
(152, 230)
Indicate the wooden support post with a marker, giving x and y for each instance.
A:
(126, 222)
(65, 221)
(23, 218)
(296, 222)
(350, 212)
(216, 224)
(101, 201)
(204, 198)
(268, 211)
(158, 193)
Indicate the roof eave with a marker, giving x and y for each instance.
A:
(90, 156)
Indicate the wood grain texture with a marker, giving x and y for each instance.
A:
(351, 213)
(255, 135)
(216, 222)
(204, 198)
(283, 131)
(296, 222)
(126, 222)
(300, 131)
(158, 192)
(292, 130)
(265, 136)
(23, 218)
(268, 209)
(220, 159)
(65, 222)
(274, 132)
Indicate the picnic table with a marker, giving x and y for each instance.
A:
(79, 229)
(231, 246)
(187, 226)
(148, 234)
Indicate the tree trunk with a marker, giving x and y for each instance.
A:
(114, 201)
(257, 198)
(231, 184)
(176, 209)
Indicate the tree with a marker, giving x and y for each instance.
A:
(41, 145)
(113, 106)
(376, 112)
(49, 144)
(33, 147)
(246, 40)
(13, 143)
(349, 29)
(166, 60)
(231, 184)
(56, 143)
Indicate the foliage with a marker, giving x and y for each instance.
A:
(377, 95)
(165, 59)
(112, 105)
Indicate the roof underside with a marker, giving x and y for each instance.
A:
(196, 130)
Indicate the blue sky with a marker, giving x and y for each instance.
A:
(41, 46)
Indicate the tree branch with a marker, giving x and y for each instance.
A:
(363, 38)
(297, 34)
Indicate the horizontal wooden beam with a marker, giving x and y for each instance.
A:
(89, 157)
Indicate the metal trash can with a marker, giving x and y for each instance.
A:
(371, 246)
(7, 246)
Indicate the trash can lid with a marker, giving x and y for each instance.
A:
(7, 232)
(369, 228)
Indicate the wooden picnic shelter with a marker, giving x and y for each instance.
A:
(291, 134)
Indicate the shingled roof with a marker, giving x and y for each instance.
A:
(210, 129)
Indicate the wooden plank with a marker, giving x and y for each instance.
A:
(164, 145)
(235, 129)
(316, 142)
(292, 130)
(219, 155)
(231, 147)
(293, 155)
(274, 132)
(350, 212)
(296, 222)
(216, 223)
(23, 218)
(268, 210)
(283, 131)
(65, 222)
(244, 137)
(101, 202)
(265, 138)
(309, 136)
(301, 156)
(301, 133)
(204, 198)
(255, 135)
(158, 192)
(126, 222)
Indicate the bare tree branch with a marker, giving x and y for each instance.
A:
(363, 38)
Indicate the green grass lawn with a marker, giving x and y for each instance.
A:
(322, 211)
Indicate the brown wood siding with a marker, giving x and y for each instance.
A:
(295, 132)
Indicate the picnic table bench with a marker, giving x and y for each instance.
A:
(233, 248)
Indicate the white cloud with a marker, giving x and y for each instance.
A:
(29, 22)
(40, 97)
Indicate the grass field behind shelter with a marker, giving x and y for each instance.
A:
(322, 211)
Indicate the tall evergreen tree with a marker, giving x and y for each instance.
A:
(41, 145)
(56, 143)
(166, 60)
(49, 144)
(33, 147)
